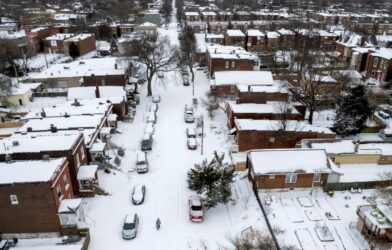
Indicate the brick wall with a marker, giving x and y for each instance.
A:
(218, 64)
(108, 80)
(37, 208)
(261, 97)
(252, 139)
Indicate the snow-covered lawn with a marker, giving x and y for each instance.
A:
(299, 218)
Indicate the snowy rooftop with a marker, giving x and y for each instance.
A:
(200, 42)
(375, 148)
(87, 172)
(362, 172)
(33, 144)
(253, 32)
(29, 171)
(261, 89)
(191, 13)
(147, 24)
(86, 67)
(212, 36)
(273, 125)
(229, 52)
(69, 109)
(351, 41)
(63, 123)
(243, 78)
(79, 37)
(114, 93)
(286, 32)
(269, 107)
(69, 206)
(59, 37)
(289, 160)
(237, 33)
(385, 53)
(53, 247)
(21, 89)
(334, 147)
(12, 35)
(272, 34)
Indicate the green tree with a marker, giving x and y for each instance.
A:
(213, 179)
(73, 51)
(352, 112)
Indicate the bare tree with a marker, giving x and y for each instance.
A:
(122, 9)
(166, 10)
(252, 240)
(180, 11)
(188, 49)
(157, 56)
(9, 53)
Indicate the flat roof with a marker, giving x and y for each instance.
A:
(274, 125)
(243, 78)
(375, 148)
(29, 171)
(289, 160)
(256, 108)
(89, 92)
(362, 172)
(33, 144)
(262, 89)
(335, 147)
(237, 33)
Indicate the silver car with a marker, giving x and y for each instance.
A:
(131, 223)
(138, 194)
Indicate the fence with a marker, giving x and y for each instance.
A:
(363, 185)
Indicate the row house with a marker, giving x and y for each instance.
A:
(235, 38)
(198, 27)
(287, 38)
(242, 15)
(261, 111)
(88, 72)
(31, 195)
(262, 93)
(358, 58)
(227, 82)
(208, 16)
(30, 147)
(379, 64)
(240, 25)
(255, 40)
(35, 39)
(316, 38)
(288, 169)
(218, 27)
(229, 58)
(273, 39)
(192, 16)
(225, 16)
(345, 44)
(215, 38)
(18, 38)
(59, 43)
(264, 134)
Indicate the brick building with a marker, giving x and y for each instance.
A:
(84, 42)
(255, 40)
(235, 38)
(230, 58)
(35, 37)
(192, 16)
(72, 147)
(288, 169)
(264, 111)
(263, 134)
(261, 94)
(31, 195)
(379, 64)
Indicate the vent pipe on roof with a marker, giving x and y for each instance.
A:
(97, 94)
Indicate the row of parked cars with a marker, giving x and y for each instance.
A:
(131, 221)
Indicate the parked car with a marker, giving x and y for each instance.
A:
(147, 141)
(160, 74)
(185, 80)
(141, 162)
(195, 208)
(192, 144)
(154, 107)
(152, 117)
(156, 98)
(188, 116)
(130, 225)
(188, 108)
(138, 193)
(150, 128)
(191, 133)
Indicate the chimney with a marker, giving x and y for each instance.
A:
(115, 66)
(43, 114)
(97, 94)
(53, 128)
(248, 88)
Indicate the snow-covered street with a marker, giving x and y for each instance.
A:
(166, 187)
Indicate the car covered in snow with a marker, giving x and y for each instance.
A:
(191, 143)
(160, 74)
(146, 143)
(130, 225)
(154, 107)
(150, 128)
(156, 98)
(152, 117)
(195, 208)
(188, 115)
(191, 133)
(138, 193)
(141, 162)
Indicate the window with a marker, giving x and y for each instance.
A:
(77, 160)
(375, 62)
(385, 65)
(383, 158)
(317, 177)
(14, 199)
(226, 64)
(272, 176)
(59, 193)
(272, 139)
(66, 182)
(291, 178)
(82, 153)
(232, 64)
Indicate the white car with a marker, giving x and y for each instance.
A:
(192, 144)
(188, 116)
(156, 98)
(138, 194)
(150, 128)
(154, 107)
(141, 162)
(130, 225)
(152, 117)
(160, 74)
(195, 208)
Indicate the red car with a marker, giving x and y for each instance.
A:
(196, 208)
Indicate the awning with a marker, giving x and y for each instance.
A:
(87, 172)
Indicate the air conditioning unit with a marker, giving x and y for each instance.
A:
(15, 143)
